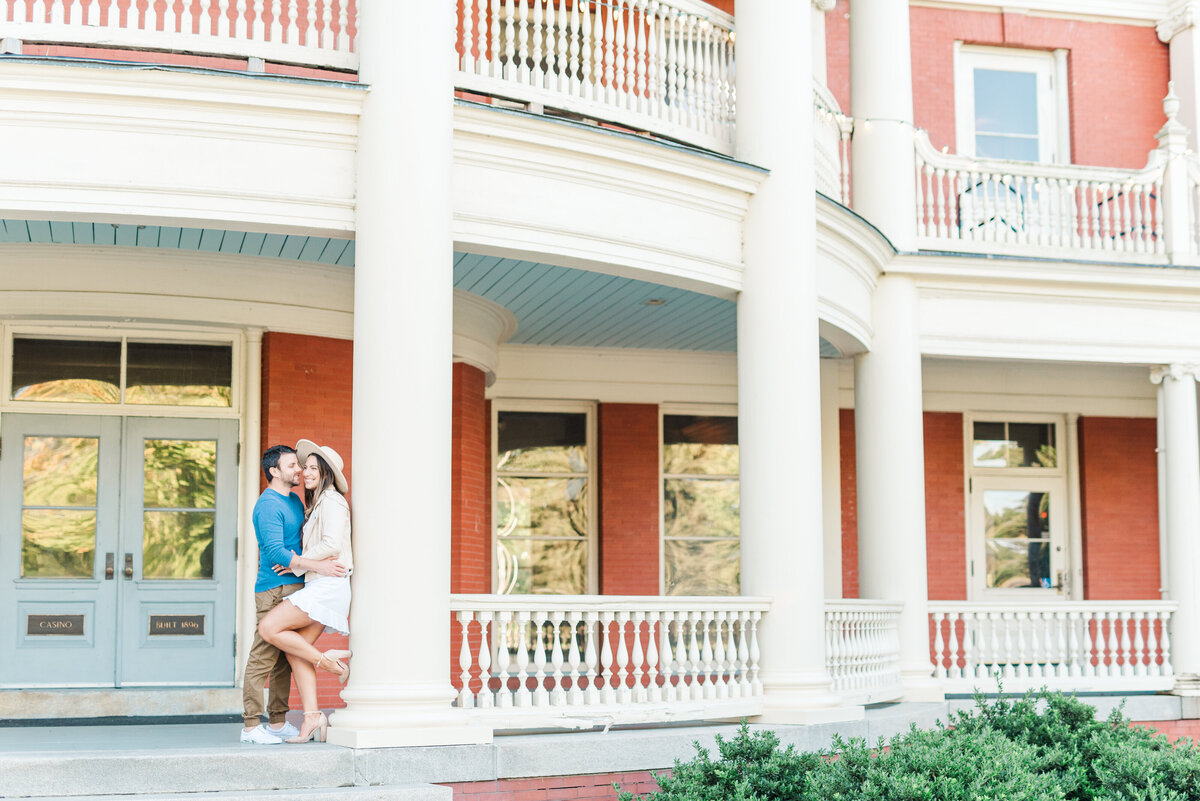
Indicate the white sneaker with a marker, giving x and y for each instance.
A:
(259, 734)
(288, 730)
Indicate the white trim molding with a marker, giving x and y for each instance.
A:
(1175, 372)
(1132, 12)
(480, 327)
(1181, 16)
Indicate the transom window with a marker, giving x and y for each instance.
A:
(543, 501)
(1005, 444)
(701, 505)
(1011, 104)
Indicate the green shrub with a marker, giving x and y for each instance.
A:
(1039, 747)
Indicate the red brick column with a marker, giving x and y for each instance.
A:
(629, 499)
(471, 515)
(945, 517)
(306, 391)
(1118, 490)
(849, 505)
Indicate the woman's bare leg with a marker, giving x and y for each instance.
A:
(304, 673)
(281, 627)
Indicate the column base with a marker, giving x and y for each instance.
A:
(804, 699)
(397, 716)
(1187, 686)
(410, 736)
(919, 686)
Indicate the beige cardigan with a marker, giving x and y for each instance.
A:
(327, 531)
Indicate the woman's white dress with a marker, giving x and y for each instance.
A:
(326, 599)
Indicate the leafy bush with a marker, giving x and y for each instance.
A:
(1040, 747)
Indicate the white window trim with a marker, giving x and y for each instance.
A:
(588, 408)
(1054, 146)
(1066, 473)
(235, 340)
(702, 410)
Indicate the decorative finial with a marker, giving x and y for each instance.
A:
(1171, 102)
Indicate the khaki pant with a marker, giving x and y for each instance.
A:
(267, 660)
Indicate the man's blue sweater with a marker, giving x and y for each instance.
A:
(278, 519)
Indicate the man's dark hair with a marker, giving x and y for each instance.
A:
(271, 458)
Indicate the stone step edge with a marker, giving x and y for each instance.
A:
(388, 792)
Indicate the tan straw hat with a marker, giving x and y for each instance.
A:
(306, 447)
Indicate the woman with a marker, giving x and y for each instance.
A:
(324, 602)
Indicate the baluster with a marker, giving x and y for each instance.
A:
(73, 12)
(705, 69)
(1168, 669)
(939, 176)
(1039, 634)
(292, 32)
(55, 13)
(745, 687)
(587, 56)
(833, 651)
(730, 650)
(1006, 654)
(345, 45)
(510, 41)
(656, 48)
(1062, 649)
(276, 21)
(536, 74)
(575, 660)
(622, 667)
(92, 14)
(112, 15)
(1153, 666)
(755, 683)
(465, 699)
(1022, 623)
(1127, 229)
(466, 35)
(609, 57)
(1097, 215)
(638, 16)
(636, 657)
(258, 30)
(524, 698)
(706, 656)
(1125, 645)
(329, 37)
(922, 193)
(241, 26)
(668, 655)
(558, 695)
(654, 624)
(541, 696)
(691, 55)
(995, 659)
(1139, 645)
(523, 65)
(969, 640)
(1106, 217)
(954, 671)
(485, 698)
(222, 21)
(562, 49)
(601, 82)
(1081, 645)
(608, 693)
(939, 646)
(504, 695)
(592, 696)
(696, 690)
(624, 52)
(1102, 667)
(489, 31)
(1137, 235)
(682, 641)
(187, 20)
(1160, 243)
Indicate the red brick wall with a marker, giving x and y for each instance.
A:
(471, 514)
(629, 499)
(1118, 478)
(945, 517)
(553, 788)
(306, 392)
(849, 505)
(1172, 729)
(1118, 75)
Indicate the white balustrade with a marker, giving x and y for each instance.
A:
(831, 146)
(1073, 645)
(982, 205)
(862, 649)
(662, 66)
(580, 661)
(317, 33)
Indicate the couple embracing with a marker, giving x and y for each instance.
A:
(302, 589)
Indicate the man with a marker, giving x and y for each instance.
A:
(278, 518)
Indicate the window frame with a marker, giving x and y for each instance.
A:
(1054, 136)
(587, 408)
(699, 410)
(123, 333)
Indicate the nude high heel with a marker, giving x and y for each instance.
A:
(319, 731)
(331, 661)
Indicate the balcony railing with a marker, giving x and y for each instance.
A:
(317, 33)
(1092, 645)
(831, 148)
(580, 661)
(862, 649)
(661, 66)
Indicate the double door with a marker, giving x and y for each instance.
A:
(117, 550)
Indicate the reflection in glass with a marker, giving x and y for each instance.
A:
(557, 567)
(542, 442)
(58, 543)
(60, 471)
(177, 545)
(1014, 445)
(701, 567)
(178, 374)
(1017, 531)
(701, 508)
(700, 445)
(180, 474)
(542, 507)
(66, 371)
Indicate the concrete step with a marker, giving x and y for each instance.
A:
(406, 792)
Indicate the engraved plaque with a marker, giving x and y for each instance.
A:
(56, 625)
(177, 625)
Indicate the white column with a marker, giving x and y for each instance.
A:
(831, 478)
(1179, 31)
(779, 409)
(890, 455)
(1181, 515)
(884, 188)
(399, 691)
(250, 475)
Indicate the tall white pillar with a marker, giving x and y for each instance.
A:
(399, 691)
(884, 164)
(890, 455)
(779, 409)
(1181, 515)
(251, 480)
(1179, 30)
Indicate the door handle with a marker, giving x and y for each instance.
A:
(128, 565)
(109, 568)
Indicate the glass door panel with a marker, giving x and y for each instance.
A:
(58, 545)
(1017, 537)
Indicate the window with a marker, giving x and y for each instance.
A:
(543, 499)
(1011, 104)
(701, 505)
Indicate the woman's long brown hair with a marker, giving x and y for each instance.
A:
(324, 482)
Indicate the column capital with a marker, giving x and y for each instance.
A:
(1182, 16)
(1175, 372)
(480, 327)
(824, 5)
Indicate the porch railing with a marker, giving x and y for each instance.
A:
(831, 148)
(1086, 645)
(862, 649)
(662, 66)
(318, 33)
(581, 661)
